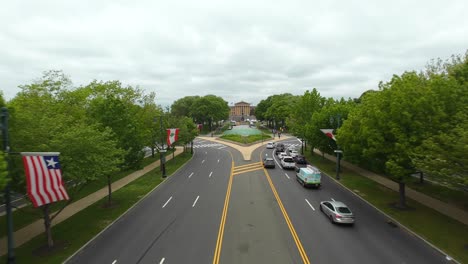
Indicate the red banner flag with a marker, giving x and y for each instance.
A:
(328, 133)
(44, 177)
(172, 135)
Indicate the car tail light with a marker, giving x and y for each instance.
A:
(337, 216)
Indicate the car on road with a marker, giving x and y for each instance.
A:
(292, 153)
(281, 155)
(270, 145)
(268, 163)
(337, 212)
(300, 159)
(287, 162)
(279, 148)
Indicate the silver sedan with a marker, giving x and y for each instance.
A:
(337, 212)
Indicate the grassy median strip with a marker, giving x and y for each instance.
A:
(83, 226)
(440, 230)
(246, 139)
(28, 214)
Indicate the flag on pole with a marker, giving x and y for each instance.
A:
(328, 133)
(172, 135)
(44, 177)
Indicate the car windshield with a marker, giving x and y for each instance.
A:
(343, 210)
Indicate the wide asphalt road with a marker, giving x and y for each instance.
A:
(370, 240)
(222, 209)
(177, 223)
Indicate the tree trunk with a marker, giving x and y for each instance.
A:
(152, 152)
(421, 177)
(402, 203)
(50, 242)
(109, 186)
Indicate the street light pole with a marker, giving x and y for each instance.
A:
(162, 150)
(9, 215)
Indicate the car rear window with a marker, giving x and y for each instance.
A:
(288, 160)
(344, 210)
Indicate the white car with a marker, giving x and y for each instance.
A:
(281, 155)
(293, 153)
(270, 145)
(287, 162)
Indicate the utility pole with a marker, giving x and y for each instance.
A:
(9, 215)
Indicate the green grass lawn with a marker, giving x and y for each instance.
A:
(83, 226)
(447, 234)
(28, 214)
(246, 139)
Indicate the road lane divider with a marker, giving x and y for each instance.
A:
(190, 175)
(162, 261)
(194, 203)
(210, 174)
(287, 176)
(219, 241)
(310, 204)
(167, 202)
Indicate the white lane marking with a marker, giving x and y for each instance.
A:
(299, 141)
(333, 199)
(218, 160)
(167, 202)
(190, 175)
(206, 152)
(222, 147)
(310, 205)
(162, 261)
(115, 261)
(287, 176)
(203, 161)
(193, 205)
(210, 174)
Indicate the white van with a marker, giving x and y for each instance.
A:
(309, 176)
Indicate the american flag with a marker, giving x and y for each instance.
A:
(44, 177)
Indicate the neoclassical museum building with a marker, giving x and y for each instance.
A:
(242, 111)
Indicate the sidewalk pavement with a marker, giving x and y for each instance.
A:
(442, 207)
(28, 232)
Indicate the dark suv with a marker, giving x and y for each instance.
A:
(279, 148)
(300, 162)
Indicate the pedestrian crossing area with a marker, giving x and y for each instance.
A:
(207, 144)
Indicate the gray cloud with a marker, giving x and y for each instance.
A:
(244, 50)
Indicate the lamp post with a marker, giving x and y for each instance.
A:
(162, 150)
(337, 151)
(9, 215)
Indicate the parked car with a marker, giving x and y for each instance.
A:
(279, 148)
(309, 176)
(287, 162)
(337, 212)
(270, 145)
(268, 163)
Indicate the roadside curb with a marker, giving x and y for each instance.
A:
(394, 220)
(124, 213)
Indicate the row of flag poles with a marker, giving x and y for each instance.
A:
(44, 174)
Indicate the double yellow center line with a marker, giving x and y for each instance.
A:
(243, 169)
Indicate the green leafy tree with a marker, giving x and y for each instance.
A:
(183, 106)
(112, 105)
(302, 111)
(87, 160)
(209, 109)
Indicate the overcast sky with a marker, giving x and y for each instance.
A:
(238, 50)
